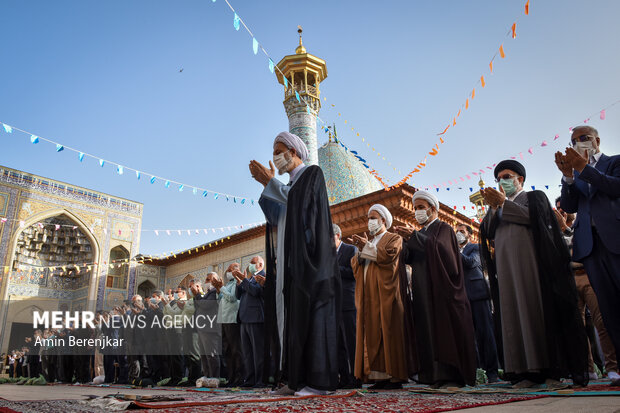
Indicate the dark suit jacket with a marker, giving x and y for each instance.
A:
(250, 296)
(475, 284)
(345, 253)
(598, 203)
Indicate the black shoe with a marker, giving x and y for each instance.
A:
(615, 383)
(393, 385)
(380, 385)
(493, 378)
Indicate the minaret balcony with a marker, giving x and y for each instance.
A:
(303, 91)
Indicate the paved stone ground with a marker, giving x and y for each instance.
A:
(591, 404)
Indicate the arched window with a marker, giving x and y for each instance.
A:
(118, 268)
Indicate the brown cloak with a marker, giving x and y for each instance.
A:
(380, 312)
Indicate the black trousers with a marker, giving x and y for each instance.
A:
(603, 269)
(231, 347)
(175, 355)
(252, 341)
(486, 347)
(346, 347)
(35, 365)
(109, 368)
(191, 352)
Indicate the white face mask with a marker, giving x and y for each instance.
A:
(587, 147)
(229, 276)
(281, 161)
(421, 216)
(460, 238)
(208, 286)
(374, 225)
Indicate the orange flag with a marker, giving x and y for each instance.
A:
(458, 114)
(491, 66)
(514, 30)
(453, 121)
(445, 130)
(501, 51)
(527, 7)
(467, 104)
(433, 152)
(441, 140)
(482, 80)
(473, 93)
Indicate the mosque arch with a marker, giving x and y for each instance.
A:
(146, 288)
(78, 224)
(185, 281)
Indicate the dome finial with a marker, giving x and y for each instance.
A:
(300, 49)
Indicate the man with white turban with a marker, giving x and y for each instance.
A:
(380, 349)
(302, 287)
(442, 336)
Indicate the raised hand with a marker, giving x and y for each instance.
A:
(493, 197)
(261, 173)
(563, 164)
(359, 241)
(576, 160)
(404, 232)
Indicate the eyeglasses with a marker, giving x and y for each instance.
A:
(506, 176)
(582, 138)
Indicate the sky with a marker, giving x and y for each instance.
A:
(104, 77)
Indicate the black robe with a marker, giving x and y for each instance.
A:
(443, 340)
(565, 331)
(312, 288)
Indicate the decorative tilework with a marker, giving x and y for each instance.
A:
(345, 177)
(303, 124)
(35, 291)
(113, 298)
(4, 203)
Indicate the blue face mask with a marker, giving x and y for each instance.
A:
(252, 268)
(508, 185)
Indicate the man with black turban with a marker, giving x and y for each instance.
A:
(532, 285)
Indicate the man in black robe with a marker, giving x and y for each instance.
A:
(306, 278)
(443, 330)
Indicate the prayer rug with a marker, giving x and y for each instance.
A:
(384, 401)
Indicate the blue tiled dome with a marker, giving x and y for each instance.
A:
(345, 177)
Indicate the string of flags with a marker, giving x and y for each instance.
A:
(601, 114)
(372, 147)
(196, 231)
(121, 169)
(256, 45)
(480, 84)
(364, 163)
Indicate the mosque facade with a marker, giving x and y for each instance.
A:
(62, 247)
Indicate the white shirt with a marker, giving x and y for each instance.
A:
(294, 172)
(429, 224)
(369, 251)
